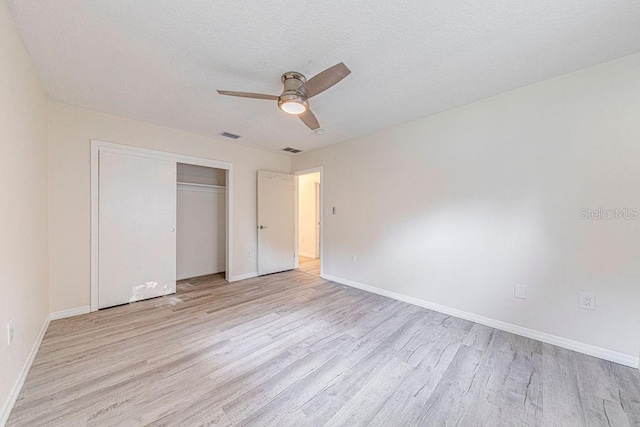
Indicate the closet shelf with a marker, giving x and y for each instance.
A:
(201, 185)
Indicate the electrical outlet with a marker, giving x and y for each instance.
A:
(520, 291)
(10, 332)
(353, 259)
(587, 301)
(304, 239)
(249, 253)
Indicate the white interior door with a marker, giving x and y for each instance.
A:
(276, 225)
(136, 228)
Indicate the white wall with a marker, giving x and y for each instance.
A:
(70, 131)
(307, 214)
(23, 211)
(457, 207)
(201, 231)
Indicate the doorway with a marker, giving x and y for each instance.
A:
(309, 221)
(201, 221)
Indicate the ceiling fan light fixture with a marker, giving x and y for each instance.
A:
(293, 104)
(293, 107)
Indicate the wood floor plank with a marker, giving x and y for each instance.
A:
(368, 401)
(562, 403)
(294, 349)
(309, 265)
(405, 406)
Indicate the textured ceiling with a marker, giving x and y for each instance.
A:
(160, 61)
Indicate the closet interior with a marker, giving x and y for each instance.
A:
(201, 221)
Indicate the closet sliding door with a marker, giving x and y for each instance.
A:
(136, 228)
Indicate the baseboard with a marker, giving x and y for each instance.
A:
(243, 276)
(306, 255)
(15, 391)
(591, 350)
(70, 312)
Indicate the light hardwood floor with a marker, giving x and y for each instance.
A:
(292, 349)
(309, 265)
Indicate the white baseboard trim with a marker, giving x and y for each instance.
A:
(70, 312)
(15, 391)
(243, 276)
(591, 350)
(304, 254)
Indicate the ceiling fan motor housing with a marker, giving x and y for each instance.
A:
(292, 92)
(293, 82)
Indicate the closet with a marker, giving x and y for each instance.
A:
(156, 218)
(200, 238)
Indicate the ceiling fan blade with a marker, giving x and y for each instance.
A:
(309, 119)
(248, 95)
(323, 81)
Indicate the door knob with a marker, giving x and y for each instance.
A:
(263, 227)
(172, 230)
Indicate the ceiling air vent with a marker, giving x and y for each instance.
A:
(230, 135)
(292, 150)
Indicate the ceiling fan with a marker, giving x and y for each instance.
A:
(297, 91)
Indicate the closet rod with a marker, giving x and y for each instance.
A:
(201, 185)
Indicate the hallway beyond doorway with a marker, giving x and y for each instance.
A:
(309, 265)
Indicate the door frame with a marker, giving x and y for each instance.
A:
(306, 172)
(98, 146)
(318, 213)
